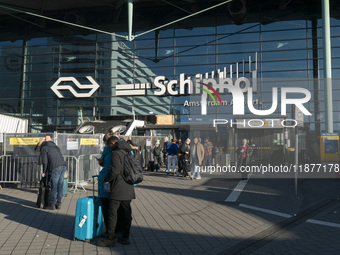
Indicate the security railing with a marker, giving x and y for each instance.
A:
(22, 170)
(26, 172)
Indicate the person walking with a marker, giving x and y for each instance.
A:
(179, 161)
(121, 194)
(54, 167)
(208, 148)
(157, 158)
(184, 157)
(196, 155)
(244, 152)
(165, 153)
(172, 156)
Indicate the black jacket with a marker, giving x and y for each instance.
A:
(165, 145)
(120, 190)
(184, 148)
(51, 156)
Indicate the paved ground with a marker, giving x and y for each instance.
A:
(172, 215)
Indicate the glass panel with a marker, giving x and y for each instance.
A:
(152, 100)
(284, 45)
(11, 65)
(194, 31)
(285, 74)
(285, 55)
(192, 70)
(196, 41)
(281, 25)
(238, 48)
(202, 59)
(284, 65)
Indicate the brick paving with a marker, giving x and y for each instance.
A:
(173, 215)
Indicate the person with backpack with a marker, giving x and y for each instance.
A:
(121, 193)
(172, 156)
(157, 158)
(104, 188)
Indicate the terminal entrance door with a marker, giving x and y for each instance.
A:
(268, 144)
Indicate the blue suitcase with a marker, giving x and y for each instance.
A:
(65, 187)
(89, 218)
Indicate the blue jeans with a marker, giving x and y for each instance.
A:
(57, 183)
(195, 168)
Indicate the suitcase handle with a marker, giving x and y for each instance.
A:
(94, 176)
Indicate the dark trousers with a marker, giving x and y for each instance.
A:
(123, 215)
(165, 160)
(207, 161)
(180, 164)
(105, 209)
(243, 162)
(157, 161)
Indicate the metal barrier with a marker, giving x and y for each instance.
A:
(145, 157)
(26, 172)
(73, 175)
(87, 167)
(23, 170)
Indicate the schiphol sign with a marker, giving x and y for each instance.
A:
(183, 86)
(188, 86)
(221, 85)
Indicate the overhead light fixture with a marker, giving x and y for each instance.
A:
(88, 129)
(118, 129)
(74, 18)
(237, 10)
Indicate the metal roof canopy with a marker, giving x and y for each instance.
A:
(20, 19)
(130, 37)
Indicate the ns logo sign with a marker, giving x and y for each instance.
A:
(93, 86)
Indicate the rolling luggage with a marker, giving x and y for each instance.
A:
(65, 187)
(89, 217)
(44, 193)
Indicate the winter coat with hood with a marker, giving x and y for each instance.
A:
(51, 156)
(119, 190)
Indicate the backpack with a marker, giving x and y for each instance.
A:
(132, 171)
(157, 150)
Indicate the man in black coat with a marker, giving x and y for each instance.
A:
(54, 167)
(184, 157)
(121, 194)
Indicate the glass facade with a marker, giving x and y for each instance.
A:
(284, 49)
